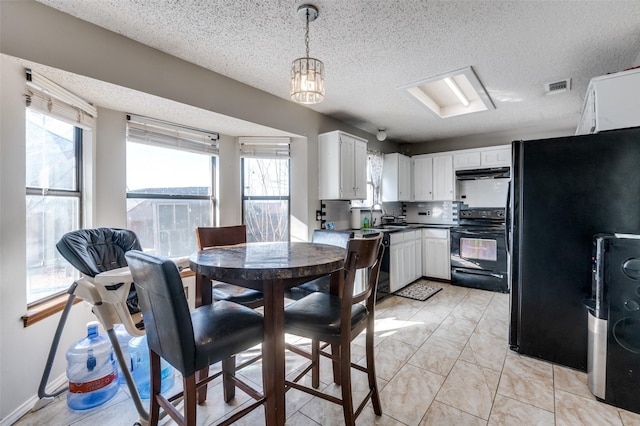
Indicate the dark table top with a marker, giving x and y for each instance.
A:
(263, 261)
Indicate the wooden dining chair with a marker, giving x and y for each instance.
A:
(225, 236)
(190, 340)
(338, 320)
(320, 236)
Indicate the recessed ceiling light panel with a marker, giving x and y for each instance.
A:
(454, 93)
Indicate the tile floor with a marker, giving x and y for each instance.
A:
(441, 362)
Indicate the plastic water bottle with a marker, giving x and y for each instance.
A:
(91, 370)
(139, 351)
(123, 340)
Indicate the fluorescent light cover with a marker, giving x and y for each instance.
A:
(451, 94)
(456, 91)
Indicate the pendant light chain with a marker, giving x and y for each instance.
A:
(306, 35)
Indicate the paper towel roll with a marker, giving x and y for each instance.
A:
(355, 219)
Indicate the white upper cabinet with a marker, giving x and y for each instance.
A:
(342, 164)
(494, 156)
(443, 178)
(611, 102)
(466, 160)
(433, 177)
(422, 177)
(499, 156)
(396, 178)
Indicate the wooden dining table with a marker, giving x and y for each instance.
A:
(270, 268)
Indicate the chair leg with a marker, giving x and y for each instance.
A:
(190, 399)
(202, 392)
(228, 370)
(335, 352)
(315, 361)
(371, 370)
(345, 379)
(155, 385)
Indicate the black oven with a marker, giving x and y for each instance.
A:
(479, 251)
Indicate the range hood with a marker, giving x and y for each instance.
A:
(489, 173)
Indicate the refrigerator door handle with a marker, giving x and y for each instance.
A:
(507, 233)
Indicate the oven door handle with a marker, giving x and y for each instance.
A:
(484, 273)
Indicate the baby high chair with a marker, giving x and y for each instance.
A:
(106, 283)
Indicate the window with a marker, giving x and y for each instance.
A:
(374, 180)
(170, 181)
(53, 153)
(265, 188)
(55, 123)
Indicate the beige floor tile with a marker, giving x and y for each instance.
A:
(629, 418)
(572, 381)
(467, 311)
(390, 356)
(530, 391)
(470, 388)
(456, 329)
(576, 410)
(440, 414)
(507, 411)
(485, 350)
(408, 395)
(437, 355)
(527, 368)
(414, 332)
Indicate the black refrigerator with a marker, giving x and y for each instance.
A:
(563, 192)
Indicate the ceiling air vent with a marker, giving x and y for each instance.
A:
(558, 86)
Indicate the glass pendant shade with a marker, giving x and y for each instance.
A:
(307, 81)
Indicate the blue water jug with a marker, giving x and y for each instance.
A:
(139, 351)
(123, 340)
(91, 370)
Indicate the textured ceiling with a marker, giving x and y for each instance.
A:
(371, 47)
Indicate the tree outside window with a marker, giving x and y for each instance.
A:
(265, 197)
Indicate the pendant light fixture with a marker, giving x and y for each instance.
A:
(307, 74)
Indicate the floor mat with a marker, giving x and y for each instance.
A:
(418, 291)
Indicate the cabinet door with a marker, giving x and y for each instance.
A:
(436, 262)
(466, 160)
(395, 267)
(443, 178)
(360, 169)
(496, 157)
(423, 179)
(409, 257)
(347, 183)
(404, 178)
(417, 243)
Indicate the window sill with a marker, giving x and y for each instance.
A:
(55, 305)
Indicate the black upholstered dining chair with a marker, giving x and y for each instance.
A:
(190, 341)
(338, 320)
(225, 236)
(320, 236)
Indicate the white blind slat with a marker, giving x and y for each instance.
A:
(48, 98)
(266, 147)
(145, 130)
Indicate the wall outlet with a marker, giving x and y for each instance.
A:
(428, 212)
(318, 215)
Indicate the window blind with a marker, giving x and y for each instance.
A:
(51, 99)
(264, 147)
(168, 135)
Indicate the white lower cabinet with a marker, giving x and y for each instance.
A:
(436, 254)
(405, 258)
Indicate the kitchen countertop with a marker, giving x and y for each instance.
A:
(395, 228)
